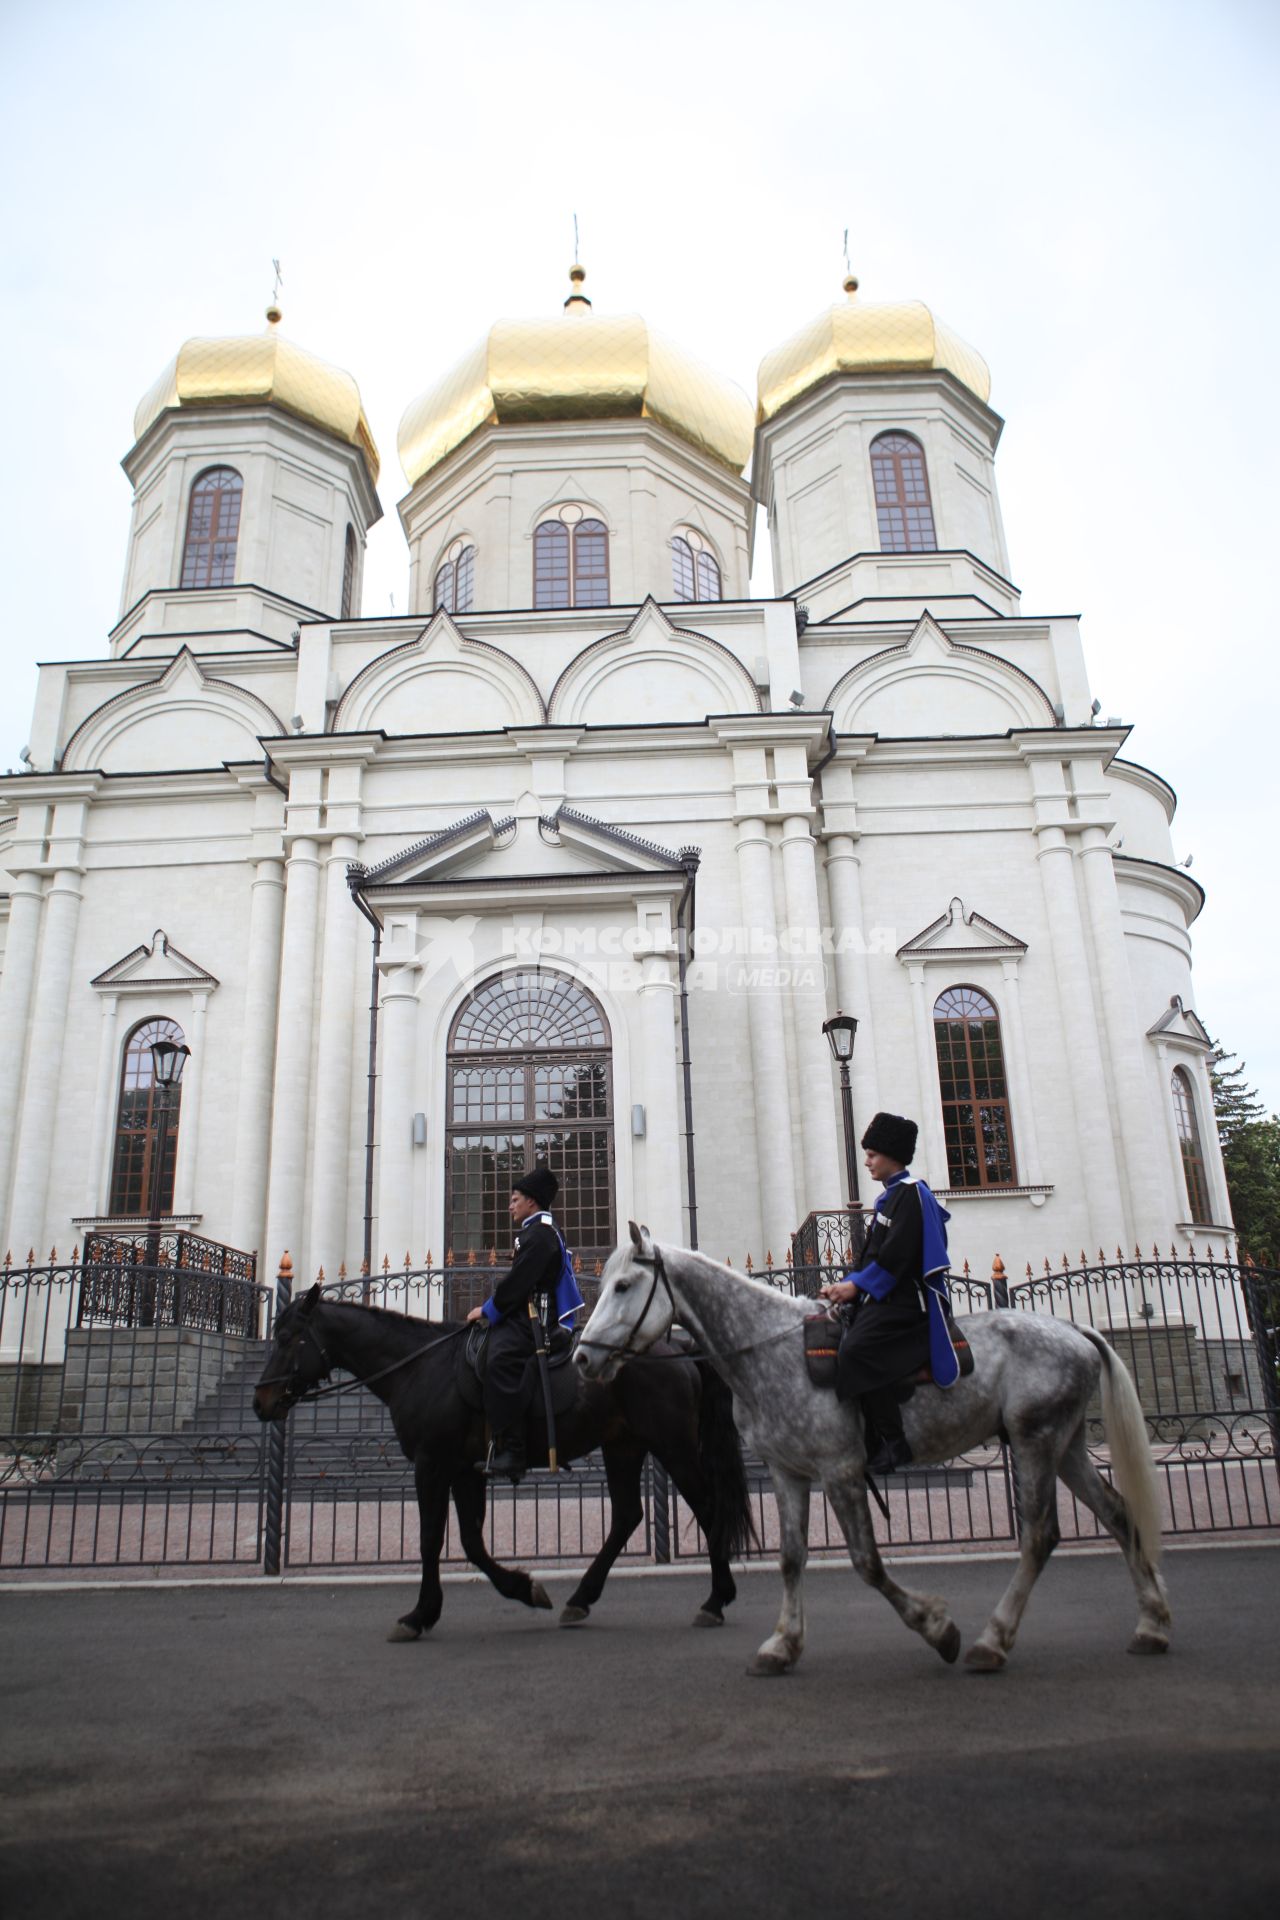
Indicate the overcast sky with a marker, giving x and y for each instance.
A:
(1086, 192)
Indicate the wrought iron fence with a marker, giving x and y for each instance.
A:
(128, 1439)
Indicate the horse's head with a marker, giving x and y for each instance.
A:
(297, 1360)
(635, 1308)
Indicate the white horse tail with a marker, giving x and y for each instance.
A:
(1131, 1464)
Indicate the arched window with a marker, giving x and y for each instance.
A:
(1184, 1108)
(695, 572)
(455, 582)
(213, 526)
(975, 1093)
(135, 1168)
(348, 574)
(901, 482)
(571, 561)
(529, 1082)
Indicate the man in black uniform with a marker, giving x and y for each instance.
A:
(535, 1271)
(898, 1293)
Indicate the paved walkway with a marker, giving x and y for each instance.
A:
(216, 1751)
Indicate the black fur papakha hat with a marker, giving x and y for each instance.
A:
(893, 1136)
(540, 1184)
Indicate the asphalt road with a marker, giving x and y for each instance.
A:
(222, 1751)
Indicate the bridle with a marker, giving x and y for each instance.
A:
(294, 1396)
(630, 1351)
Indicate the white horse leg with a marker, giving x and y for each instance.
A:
(924, 1613)
(1082, 1478)
(1038, 1515)
(786, 1643)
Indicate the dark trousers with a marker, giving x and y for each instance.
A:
(887, 1341)
(511, 1348)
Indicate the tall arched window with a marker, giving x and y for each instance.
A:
(348, 574)
(1184, 1108)
(455, 582)
(975, 1093)
(213, 526)
(903, 508)
(135, 1168)
(695, 572)
(571, 561)
(529, 1082)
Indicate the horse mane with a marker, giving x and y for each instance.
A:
(391, 1314)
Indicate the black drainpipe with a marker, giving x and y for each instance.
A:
(355, 881)
(684, 935)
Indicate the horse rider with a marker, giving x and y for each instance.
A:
(535, 1271)
(897, 1292)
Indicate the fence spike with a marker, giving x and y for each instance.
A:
(1084, 1258)
(1210, 1251)
(342, 1269)
(493, 1256)
(430, 1259)
(319, 1276)
(1102, 1258)
(31, 1256)
(285, 1275)
(53, 1256)
(750, 1268)
(471, 1256)
(8, 1259)
(769, 1257)
(386, 1263)
(577, 1261)
(1047, 1267)
(448, 1256)
(1066, 1264)
(1029, 1275)
(364, 1269)
(1173, 1252)
(599, 1268)
(728, 1262)
(75, 1254)
(408, 1260)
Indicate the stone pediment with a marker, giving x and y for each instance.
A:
(153, 967)
(1180, 1023)
(561, 847)
(956, 932)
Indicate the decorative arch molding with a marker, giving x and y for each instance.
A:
(691, 675)
(570, 493)
(234, 723)
(478, 686)
(873, 696)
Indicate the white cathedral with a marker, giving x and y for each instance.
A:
(573, 861)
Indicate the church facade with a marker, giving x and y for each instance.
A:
(573, 861)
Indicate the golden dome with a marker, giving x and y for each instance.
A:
(577, 366)
(850, 338)
(262, 367)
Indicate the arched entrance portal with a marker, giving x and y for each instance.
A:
(529, 1079)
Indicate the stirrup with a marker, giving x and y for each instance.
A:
(508, 1464)
(893, 1456)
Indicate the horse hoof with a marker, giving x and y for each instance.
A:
(949, 1645)
(404, 1630)
(980, 1659)
(538, 1596)
(768, 1666)
(705, 1618)
(1147, 1643)
(574, 1616)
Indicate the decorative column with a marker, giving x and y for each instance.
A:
(1102, 1197)
(935, 1169)
(779, 1217)
(104, 1099)
(17, 984)
(188, 1155)
(397, 1045)
(1026, 1141)
(291, 1093)
(823, 1173)
(331, 1158)
(1123, 1057)
(48, 1026)
(660, 1191)
(853, 981)
(257, 1049)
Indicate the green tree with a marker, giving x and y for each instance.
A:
(1251, 1155)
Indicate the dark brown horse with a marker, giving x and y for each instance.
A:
(678, 1411)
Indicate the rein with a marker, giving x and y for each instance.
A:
(348, 1386)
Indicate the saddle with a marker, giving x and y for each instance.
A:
(822, 1333)
(471, 1356)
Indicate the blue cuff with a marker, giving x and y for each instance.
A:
(491, 1313)
(874, 1280)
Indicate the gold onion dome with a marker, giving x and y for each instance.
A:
(577, 366)
(854, 338)
(262, 368)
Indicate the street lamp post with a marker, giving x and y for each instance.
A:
(168, 1058)
(841, 1031)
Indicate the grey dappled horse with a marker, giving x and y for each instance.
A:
(1032, 1380)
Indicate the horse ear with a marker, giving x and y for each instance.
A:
(311, 1299)
(637, 1239)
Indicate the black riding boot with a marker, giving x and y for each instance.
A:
(507, 1456)
(882, 1411)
